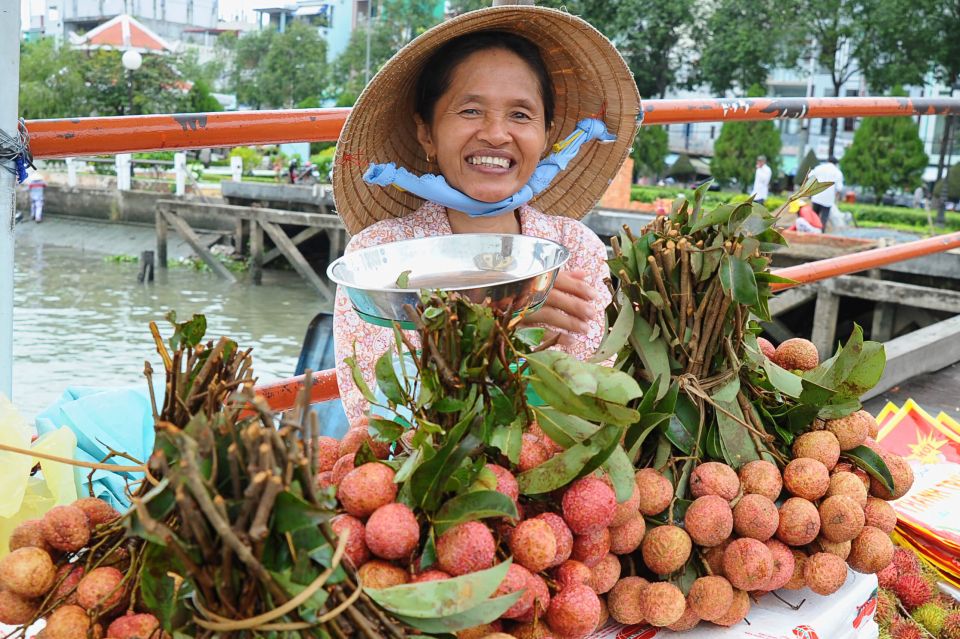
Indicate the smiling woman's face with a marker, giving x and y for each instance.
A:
(488, 131)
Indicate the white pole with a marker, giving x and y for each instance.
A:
(236, 168)
(180, 170)
(72, 172)
(10, 80)
(122, 162)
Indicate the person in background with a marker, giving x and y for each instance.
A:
(36, 186)
(919, 195)
(761, 180)
(807, 220)
(822, 202)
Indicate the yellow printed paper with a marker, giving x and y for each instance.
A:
(60, 477)
(14, 467)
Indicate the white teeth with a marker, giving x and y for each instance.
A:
(503, 163)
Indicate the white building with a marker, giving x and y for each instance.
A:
(335, 19)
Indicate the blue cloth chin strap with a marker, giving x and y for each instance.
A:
(434, 188)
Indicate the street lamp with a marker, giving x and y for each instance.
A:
(131, 61)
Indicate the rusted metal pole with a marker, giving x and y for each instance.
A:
(93, 136)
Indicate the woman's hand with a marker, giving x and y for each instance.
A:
(569, 306)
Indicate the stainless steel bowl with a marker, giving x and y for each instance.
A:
(511, 272)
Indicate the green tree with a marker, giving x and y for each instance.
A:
(953, 184)
(51, 85)
(682, 168)
(886, 152)
(199, 100)
(156, 87)
(737, 147)
(649, 151)
(809, 161)
(294, 67)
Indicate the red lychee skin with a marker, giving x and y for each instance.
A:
(761, 477)
(377, 573)
(623, 600)
(588, 505)
(627, 510)
(710, 597)
(796, 354)
(562, 535)
(807, 478)
(665, 549)
(747, 564)
(784, 564)
(738, 610)
(574, 611)
(482, 631)
(541, 599)
(880, 514)
(871, 551)
(533, 545)
(66, 581)
(844, 483)
(28, 572)
(592, 547)
(851, 431)
(799, 522)
(821, 445)
(656, 492)
(66, 528)
(913, 591)
(466, 548)
(797, 582)
(860, 474)
(605, 574)
(67, 622)
(902, 478)
(766, 347)
(714, 558)
(627, 538)
(506, 482)
(343, 466)
(323, 480)
(824, 573)
(572, 572)
(532, 453)
(328, 452)
(16, 610)
(873, 427)
(841, 518)
(97, 511)
(100, 588)
(366, 488)
(714, 478)
(755, 516)
(517, 578)
(29, 534)
(135, 626)
(355, 438)
(840, 549)
(392, 532)
(430, 575)
(709, 520)
(662, 604)
(687, 621)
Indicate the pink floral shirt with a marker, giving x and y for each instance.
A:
(587, 253)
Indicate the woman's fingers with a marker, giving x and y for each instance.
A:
(574, 283)
(556, 318)
(572, 305)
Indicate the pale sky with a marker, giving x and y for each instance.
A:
(230, 10)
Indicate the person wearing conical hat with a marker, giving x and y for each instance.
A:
(510, 119)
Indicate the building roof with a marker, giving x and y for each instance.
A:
(123, 32)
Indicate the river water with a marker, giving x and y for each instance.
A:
(82, 320)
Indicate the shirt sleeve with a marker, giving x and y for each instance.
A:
(588, 254)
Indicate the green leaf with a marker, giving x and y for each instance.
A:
(531, 335)
(504, 411)
(678, 435)
(159, 589)
(773, 278)
(716, 217)
(385, 430)
(189, 333)
(783, 380)
(561, 469)
(618, 335)
(871, 462)
(485, 612)
(387, 379)
(508, 439)
(436, 599)
(358, 379)
(294, 587)
(565, 430)
(653, 354)
(448, 405)
(737, 279)
(472, 506)
(291, 512)
(621, 473)
(403, 280)
(735, 441)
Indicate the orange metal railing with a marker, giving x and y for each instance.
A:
(128, 134)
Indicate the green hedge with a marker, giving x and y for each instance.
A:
(711, 198)
(898, 216)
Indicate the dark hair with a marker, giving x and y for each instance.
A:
(435, 76)
(832, 159)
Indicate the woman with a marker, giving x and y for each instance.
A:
(480, 100)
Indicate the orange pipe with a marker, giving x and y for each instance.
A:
(127, 134)
(283, 394)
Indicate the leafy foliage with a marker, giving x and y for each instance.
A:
(952, 181)
(809, 161)
(737, 147)
(886, 153)
(650, 150)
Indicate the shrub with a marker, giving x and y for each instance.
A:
(251, 157)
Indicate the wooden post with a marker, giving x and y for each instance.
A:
(196, 244)
(296, 259)
(161, 239)
(336, 245)
(825, 320)
(256, 251)
(239, 248)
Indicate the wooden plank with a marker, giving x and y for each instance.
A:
(936, 299)
(825, 320)
(238, 237)
(277, 216)
(161, 224)
(197, 245)
(256, 252)
(301, 219)
(297, 240)
(299, 263)
(791, 298)
(335, 237)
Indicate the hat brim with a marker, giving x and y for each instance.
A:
(588, 75)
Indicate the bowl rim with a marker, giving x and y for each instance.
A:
(564, 253)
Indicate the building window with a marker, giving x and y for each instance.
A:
(850, 124)
(713, 131)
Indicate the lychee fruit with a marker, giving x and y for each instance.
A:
(662, 603)
(824, 573)
(851, 431)
(366, 488)
(906, 562)
(626, 538)
(687, 621)
(562, 535)
(738, 610)
(465, 548)
(529, 630)
(913, 591)
(807, 478)
(870, 551)
(766, 347)
(97, 511)
(709, 520)
(572, 572)
(66, 528)
(821, 445)
(574, 611)
(343, 466)
(796, 582)
(482, 631)
(880, 514)
(356, 550)
(532, 453)
(627, 510)
(902, 478)
(135, 626)
(66, 581)
(506, 482)
(517, 578)
(841, 518)
(588, 505)
(101, 588)
(848, 484)
(429, 575)
(665, 549)
(710, 597)
(656, 491)
(747, 564)
(392, 532)
(67, 622)
(755, 516)
(873, 427)
(761, 477)
(796, 354)
(28, 572)
(783, 564)
(323, 481)
(327, 453)
(841, 549)
(623, 600)
(29, 534)
(604, 613)
(905, 629)
(377, 574)
(533, 544)
(16, 610)
(355, 438)
(541, 599)
(591, 547)
(605, 574)
(714, 478)
(799, 522)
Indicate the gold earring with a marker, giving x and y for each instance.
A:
(428, 159)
